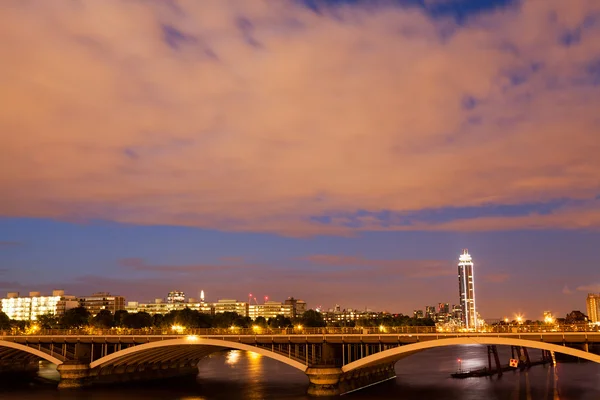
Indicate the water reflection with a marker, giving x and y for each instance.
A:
(232, 357)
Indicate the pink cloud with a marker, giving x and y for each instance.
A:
(321, 114)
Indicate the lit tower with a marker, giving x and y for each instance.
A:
(466, 290)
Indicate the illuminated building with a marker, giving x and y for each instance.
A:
(229, 305)
(593, 307)
(35, 305)
(466, 285)
(270, 309)
(160, 307)
(176, 297)
(418, 314)
(430, 312)
(298, 306)
(102, 301)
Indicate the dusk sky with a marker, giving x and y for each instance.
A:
(341, 152)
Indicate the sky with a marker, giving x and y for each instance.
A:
(341, 152)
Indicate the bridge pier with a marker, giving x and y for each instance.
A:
(74, 374)
(333, 381)
(77, 374)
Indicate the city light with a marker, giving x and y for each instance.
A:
(191, 338)
(256, 328)
(178, 328)
(299, 327)
(519, 318)
(381, 328)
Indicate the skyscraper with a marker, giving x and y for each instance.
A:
(466, 289)
(593, 307)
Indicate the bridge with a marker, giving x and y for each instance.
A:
(336, 360)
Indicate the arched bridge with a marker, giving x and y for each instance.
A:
(335, 361)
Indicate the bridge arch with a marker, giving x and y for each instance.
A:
(199, 346)
(30, 350)
(400, 352)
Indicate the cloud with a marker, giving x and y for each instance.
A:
(592, 288)
(261, 115)
(566, 290)
(367, 267)
(10, 244)
(139, 264)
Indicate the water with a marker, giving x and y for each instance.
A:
(426, 375)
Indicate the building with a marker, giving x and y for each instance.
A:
(102, 301)
(593, 307)
(443, 308)
(270, 309)
(418, 314)
(430, 312)
(466, 289)
(30, 308)
(576, 317)
(298, 306)
(176, 297)
(229, 305)
(160, 307)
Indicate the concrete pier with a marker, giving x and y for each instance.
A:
(334, 382)
(76, 374)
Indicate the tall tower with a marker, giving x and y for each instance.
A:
(593, 307)
(466, 290)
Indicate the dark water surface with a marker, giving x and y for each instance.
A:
(426, 375)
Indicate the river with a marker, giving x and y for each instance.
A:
(426, 375)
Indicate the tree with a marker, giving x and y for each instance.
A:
(280, 321)
(119, 317)
(104, 319)
(312, 319)
(75, 318)
(260, 321)
(4, 321)
(48, 321)
(138, 320)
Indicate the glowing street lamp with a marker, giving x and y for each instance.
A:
(177, 329)
(519, 319)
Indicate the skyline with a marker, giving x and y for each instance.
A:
(338, 151)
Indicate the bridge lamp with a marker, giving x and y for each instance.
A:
(256, 328)
(299, 327)
(178, 328)
(519, 319)
(191, 338)
(381, 328)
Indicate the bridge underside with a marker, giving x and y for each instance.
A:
(333, 366)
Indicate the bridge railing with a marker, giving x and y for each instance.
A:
(381, 330)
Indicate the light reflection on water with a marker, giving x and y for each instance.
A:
(243, 375)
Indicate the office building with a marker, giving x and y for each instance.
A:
(30, 308)
(418, 314)
(230, 305)
(270, 309)
(430, 312)
(160, 307)
(466, 286)
(102, 301)
(176, 297)
(593, 307)
(298, 306)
